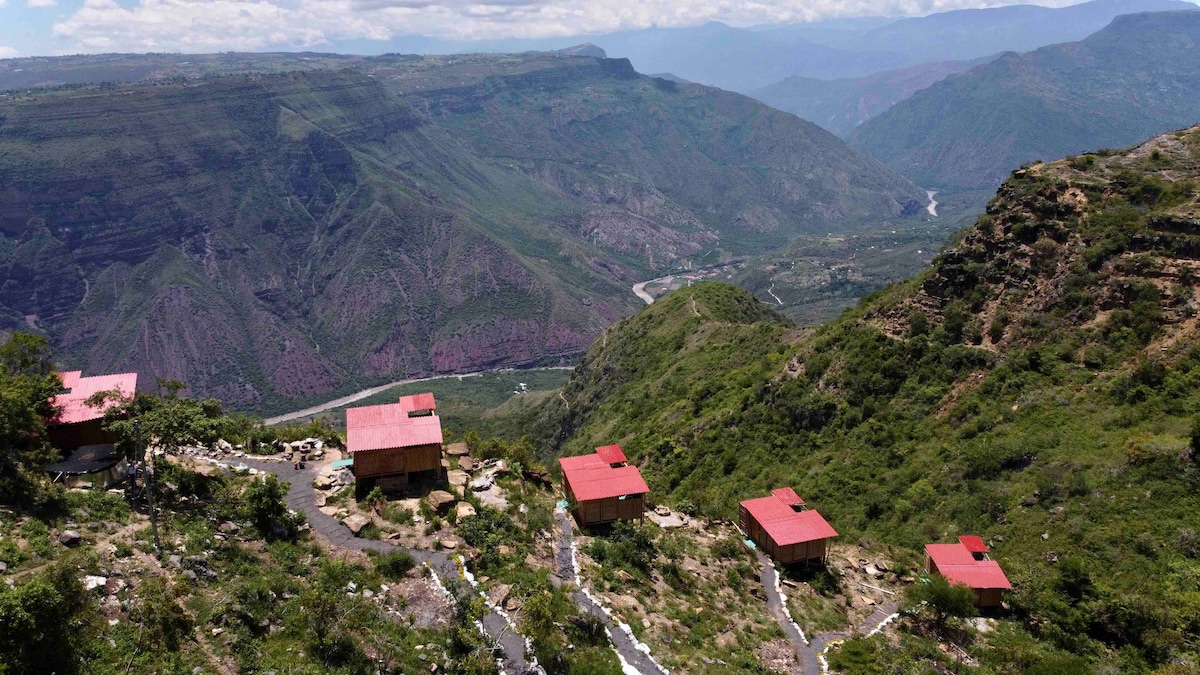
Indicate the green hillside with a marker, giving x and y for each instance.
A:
(1037, 386)
(274, 239)
(1135, 78)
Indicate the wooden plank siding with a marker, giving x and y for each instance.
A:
(612, 509)
(393, 461)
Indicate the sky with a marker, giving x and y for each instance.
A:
(54, 27)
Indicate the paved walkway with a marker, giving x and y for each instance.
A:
(810, 651)
(300, 499)
(621, 641)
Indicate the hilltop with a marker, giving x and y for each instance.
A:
(1133, 79)
(1032, 387)
(276, 237)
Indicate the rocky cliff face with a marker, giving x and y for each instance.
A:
(1102, 246)
(272, 239)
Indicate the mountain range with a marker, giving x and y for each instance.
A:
(1134, 78)
(273, 238)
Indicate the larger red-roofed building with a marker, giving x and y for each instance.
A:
(395, 443)
(967, 563)
(76, 423)
(602, 488)
(783, 528)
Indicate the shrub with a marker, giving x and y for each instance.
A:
(395, 564)
(942, 599)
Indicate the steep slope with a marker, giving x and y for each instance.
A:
(1034, 387)
(1135, 78)
(276, 238)
(842, 105)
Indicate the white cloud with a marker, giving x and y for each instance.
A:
(217, 25)
(7, 52)
(41, 3)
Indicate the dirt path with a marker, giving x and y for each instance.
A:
(300, 499)
(812, 653)
(622, 641)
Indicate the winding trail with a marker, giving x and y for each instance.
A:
(812, 653)
(634, 661)
(931, 207)
(300, 498)
(771, 292)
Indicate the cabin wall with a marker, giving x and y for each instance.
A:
(390, 461)
(599, 511)
(988, 597)
(72, 436)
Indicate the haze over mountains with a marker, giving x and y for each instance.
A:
(1138, 76)
(279, 237)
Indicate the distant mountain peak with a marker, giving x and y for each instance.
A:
(585, 49)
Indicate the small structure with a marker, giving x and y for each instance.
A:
(78, 424)
(394, 444)
(967, 563)
(94, 466)
(785, 529)
(603, 488)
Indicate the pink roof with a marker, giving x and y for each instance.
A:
(375, 415)
(955, 562)
(418, 402)
(786, 525)
(590, 478)
(611, 454)
(414, 431)
(973, 543)
(788, 495)
(80, 388)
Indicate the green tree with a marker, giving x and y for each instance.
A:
(167, 421)
(264, 506)
(27, 381)
(941, 599)
(46, 623)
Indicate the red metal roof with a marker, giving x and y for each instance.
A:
(591, 478)
(412, 432)
(418, 402)
(786, 525)
(611, 454)
(375, 415)
(788, 495)
(973, 543)
(955, 562)
(80, 388)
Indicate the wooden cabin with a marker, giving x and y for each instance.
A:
(967, 563)
(395, 444)
(783, 528)
(603, 488)
(78, 424)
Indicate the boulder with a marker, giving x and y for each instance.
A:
(464, 510)
(91, 582)
(319, 499)
(323, 482)
(466, 463)
(493, 497)
(440, 501)
(449, 544)
(228, 527)
(457, 477)
(356, 522)
(342, 477)
(457, 449)
(69, 538)
(482, 483)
